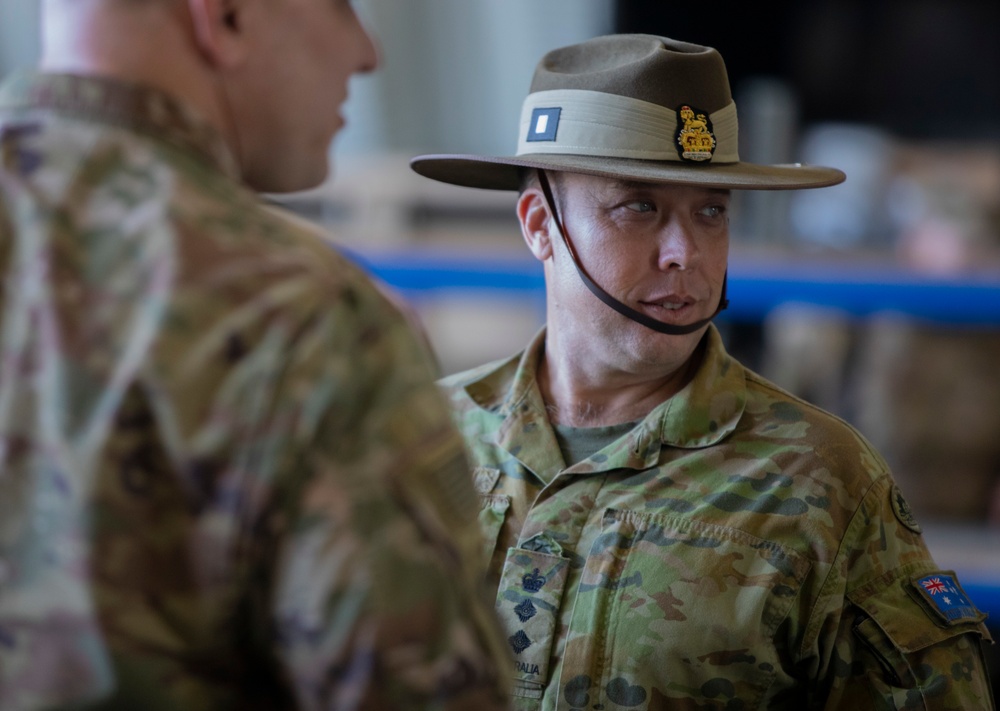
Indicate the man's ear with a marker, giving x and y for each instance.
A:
(218, 30)
(536, 223)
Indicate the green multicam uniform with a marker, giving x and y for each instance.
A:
(228, 480)
(737, 549)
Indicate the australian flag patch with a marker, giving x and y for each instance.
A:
(947, 598)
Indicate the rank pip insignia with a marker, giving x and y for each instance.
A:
(695, 139)
(526, 610)
(519, 642)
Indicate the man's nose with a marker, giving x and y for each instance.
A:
(677, 247)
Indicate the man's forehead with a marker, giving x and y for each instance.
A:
(629, 185)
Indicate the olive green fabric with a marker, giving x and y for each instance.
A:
(227, 478)
(738, 549)
(579, 443)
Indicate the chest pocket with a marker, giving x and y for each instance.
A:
(491, 517)
(670, 610)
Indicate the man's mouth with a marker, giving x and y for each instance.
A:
(670, 308)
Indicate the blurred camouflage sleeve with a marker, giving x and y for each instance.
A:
(376, 603)
(227, 479)
(908, 638)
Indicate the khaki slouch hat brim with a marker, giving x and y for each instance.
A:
(629, 107)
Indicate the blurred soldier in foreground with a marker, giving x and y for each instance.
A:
(665, 528)
(227, 479)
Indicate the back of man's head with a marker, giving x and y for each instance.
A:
(269, 75)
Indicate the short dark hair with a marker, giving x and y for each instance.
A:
(527, 178)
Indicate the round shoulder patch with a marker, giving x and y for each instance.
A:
(902, 510)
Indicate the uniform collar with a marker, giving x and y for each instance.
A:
(130, 106)
(511, 391)
(703, 413)
(709, 407)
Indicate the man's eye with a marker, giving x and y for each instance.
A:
(713, 211)
(640, 206)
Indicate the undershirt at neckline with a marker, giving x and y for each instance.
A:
(579, 443)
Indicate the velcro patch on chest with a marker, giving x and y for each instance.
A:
(945, 597)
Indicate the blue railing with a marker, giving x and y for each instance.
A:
(985, 594)
(755, 287)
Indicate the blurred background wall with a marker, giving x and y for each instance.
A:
(19, 41)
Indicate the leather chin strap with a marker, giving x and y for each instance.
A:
(627, 312)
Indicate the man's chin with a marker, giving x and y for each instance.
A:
(289, 179)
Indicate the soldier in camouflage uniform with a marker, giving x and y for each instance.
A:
(227, 477)
(666, 529)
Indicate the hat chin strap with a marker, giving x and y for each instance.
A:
(626, 311)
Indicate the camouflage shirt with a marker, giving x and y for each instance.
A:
(737, 549)
(227, 478)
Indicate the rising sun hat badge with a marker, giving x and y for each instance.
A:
(695, 139)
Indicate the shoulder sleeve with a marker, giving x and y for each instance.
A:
(377, 602)
(907, 636)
